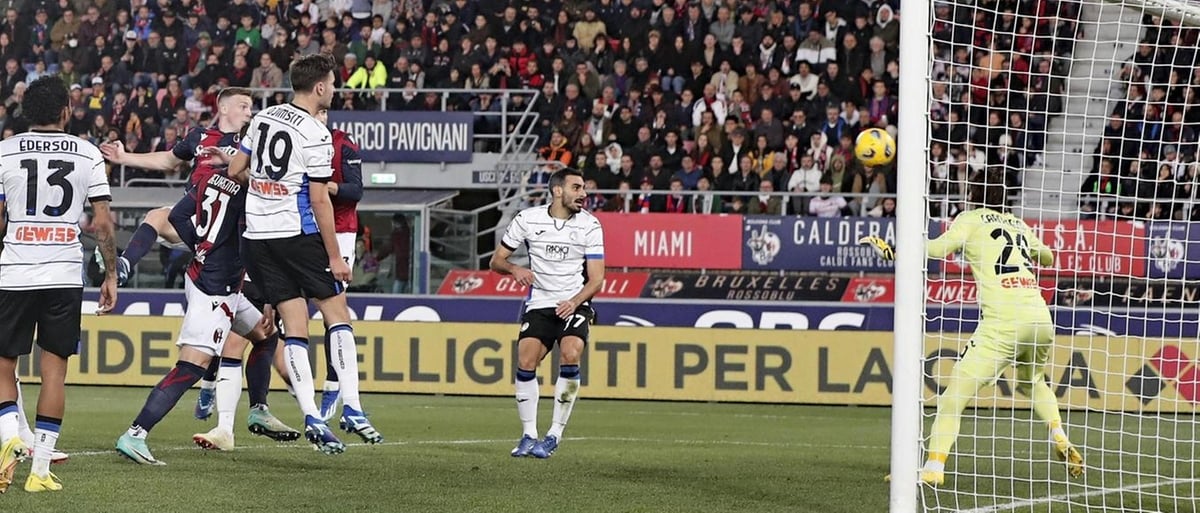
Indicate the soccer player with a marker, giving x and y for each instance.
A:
(215, 305)
(1015, 325)
(233, 112)
(566, 260)
(286, 157)
(346, 190)
(47, 176)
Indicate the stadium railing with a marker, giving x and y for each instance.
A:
(512, 120)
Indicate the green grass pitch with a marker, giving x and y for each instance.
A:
(451, 454)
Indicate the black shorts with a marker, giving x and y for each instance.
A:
(253, 293)
(53, 313)
(546, 326)
(295, 267)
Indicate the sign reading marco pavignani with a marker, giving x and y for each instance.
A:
(409, 136)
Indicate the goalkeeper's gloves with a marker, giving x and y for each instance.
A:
(881, 247)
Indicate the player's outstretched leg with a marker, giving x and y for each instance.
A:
(331, 390)
(207, 400)
(144, 239)
(345, 363)
(1032, 383)
(258, 381)
(162, 399)
(977, 368)
(27, 433)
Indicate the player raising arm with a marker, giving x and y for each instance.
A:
(566, 259)
(1016, 325)
(233, 112)
(47, 176)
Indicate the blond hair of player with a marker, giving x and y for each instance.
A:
(1016, 326)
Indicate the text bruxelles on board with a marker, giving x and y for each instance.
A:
(832, 367)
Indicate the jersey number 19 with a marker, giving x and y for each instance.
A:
(278, 149)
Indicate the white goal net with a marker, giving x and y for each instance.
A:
(1092, 110)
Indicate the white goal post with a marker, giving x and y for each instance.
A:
(1100, 137)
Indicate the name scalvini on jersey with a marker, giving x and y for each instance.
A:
(288, 148)
(558, 252)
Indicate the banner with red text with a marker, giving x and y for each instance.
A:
(1107, 248)
(672, 241)
(487, 283)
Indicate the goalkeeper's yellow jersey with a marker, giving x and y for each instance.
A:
(1001, 250)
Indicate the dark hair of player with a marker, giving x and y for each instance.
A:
(988, 190)
(559, 178)
(44, 101)
(310, 70)
(230, 92)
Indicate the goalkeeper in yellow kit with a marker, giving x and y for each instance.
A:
(1015, 325)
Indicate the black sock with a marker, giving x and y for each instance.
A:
(258, 369)
(331, 375)
(210, 374)
(166, 393)
(142, 241)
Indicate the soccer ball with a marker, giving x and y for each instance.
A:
(875, 147)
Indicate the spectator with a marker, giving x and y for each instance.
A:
(765, 203)
(886, 208)
(676, 203)
(648, 201)
(827, 204)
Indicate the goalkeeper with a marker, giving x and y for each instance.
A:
(1015, 324)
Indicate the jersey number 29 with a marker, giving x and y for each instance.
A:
(58, 178)
(1019, 242)
(277, 149)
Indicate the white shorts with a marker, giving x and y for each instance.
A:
(346, 242)
(180, 246)
(209, 319)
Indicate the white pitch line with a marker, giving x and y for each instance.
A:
(93, 452)
(1081, 495)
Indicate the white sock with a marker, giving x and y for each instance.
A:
(527, 406)
(208, 385)
(229, 391)
(345, 362)
(8, 425)
(23, 430)
(331, 386)
(137, 432)
(45, 437)
(1055, 433)
(565, 392)
(295, 354)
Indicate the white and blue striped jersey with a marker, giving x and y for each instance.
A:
(558, 252)
(47, 177)
(288, 148)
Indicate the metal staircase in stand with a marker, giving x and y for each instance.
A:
(466, 239)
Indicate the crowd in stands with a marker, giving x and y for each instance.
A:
(1145, 164)
(753, 96)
